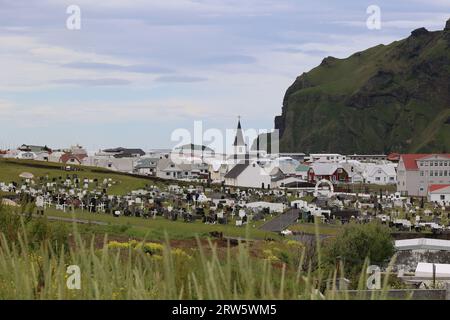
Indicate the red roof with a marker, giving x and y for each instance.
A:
(410, 160)
(68, 156)
(435, 187)
(393, 157)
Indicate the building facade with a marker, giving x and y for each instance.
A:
(417, 172)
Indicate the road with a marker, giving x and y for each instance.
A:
(281, 222)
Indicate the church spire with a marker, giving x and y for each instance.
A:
(239, 139)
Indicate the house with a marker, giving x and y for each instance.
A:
(146, 166)
(55, 156)
(439, 193)
(194, 151)
(32, 148)
(125, 165)
(416, 172)
(355, 169)
(381, 173)
(73, 159)
(218, 169)
(367, 157)
(42, 156)
(26, 155)
(168, 169)
(333, 172)
(326, 157)
(250, 175)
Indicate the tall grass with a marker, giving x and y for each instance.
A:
(39, 271)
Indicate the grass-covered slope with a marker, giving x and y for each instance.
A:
(392, 97)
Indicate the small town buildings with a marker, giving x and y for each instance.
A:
(194, 151)
(330, 171)
(416, 172)
(439, 193)
(250, 175)
(42, 156)
(301, 172)
(125, 165)
(72, 159)
(146, 166)
(367, 157)
(325, 157)
(185, 170)
(381, 173)
(26, 155)
(123, 152)
(33, 148)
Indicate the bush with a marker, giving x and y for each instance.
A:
(358, 242)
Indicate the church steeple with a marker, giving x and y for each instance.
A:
(239, 145)
(239, 139)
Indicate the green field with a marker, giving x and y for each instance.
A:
(156, 229)
(10, 169)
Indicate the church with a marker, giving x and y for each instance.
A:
(245, 172)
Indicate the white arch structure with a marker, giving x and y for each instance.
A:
(323, 181)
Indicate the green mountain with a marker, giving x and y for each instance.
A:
(387, 98)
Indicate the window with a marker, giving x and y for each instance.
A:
(431, 163)
(431, 173)
(421, 173)
(440, 173)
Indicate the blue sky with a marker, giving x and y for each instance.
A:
(137, 70)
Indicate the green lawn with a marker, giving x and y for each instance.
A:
(10, 169)
(155, 229)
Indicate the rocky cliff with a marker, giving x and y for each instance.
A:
(387, 98)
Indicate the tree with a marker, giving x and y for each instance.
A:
(356, 242)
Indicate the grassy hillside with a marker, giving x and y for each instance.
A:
(10, 169)
(387, 98)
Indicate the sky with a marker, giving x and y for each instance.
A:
(136, 71)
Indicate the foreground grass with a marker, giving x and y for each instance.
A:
(36, 258)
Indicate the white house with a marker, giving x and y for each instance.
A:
(326, 157)
(26, 155)
(439, 193)
(249, 175)
(381, 173)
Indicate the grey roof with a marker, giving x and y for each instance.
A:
(236, 171)
(125, 152)
(147, 163)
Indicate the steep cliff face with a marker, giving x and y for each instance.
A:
(386, 98)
